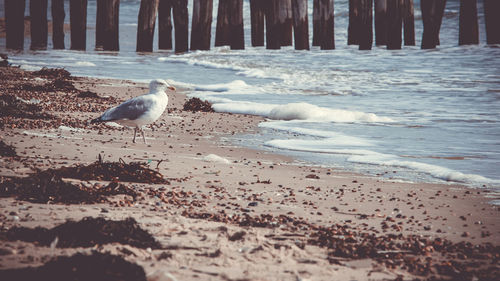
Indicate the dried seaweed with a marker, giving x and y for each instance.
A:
(87, 232)
(47, 186)
(10, 106)
(108, 171)
(197, 105)
(4, 62)
(52, 73)
(433, 259)
(97, 266)
(7, 150)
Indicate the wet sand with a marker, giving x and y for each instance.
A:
(231, 213)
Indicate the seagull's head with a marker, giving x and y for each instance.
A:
(160, 85)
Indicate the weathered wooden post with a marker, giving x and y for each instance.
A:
(257, 13)
(236, 30)
(39, 25)
(300, 24)
(165, 24)
(146, 25)
(492, 21)
(273, 38)
(409, 23)
(181, 25)
(78, 24)
(100, 18)
(285, 20)
(394, 24)
(468, 26)
(327, 25)
(107, 21)
(354, 22)
(201, 26)
(365, 25)
(14, 24)
(380, 22)
(58, 16)
(432, 15)
(222, 30)
(316, 24)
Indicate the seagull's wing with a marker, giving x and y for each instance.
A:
(129, 110)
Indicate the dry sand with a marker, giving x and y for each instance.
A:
(248, 215)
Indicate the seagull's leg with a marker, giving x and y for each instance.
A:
(143, 137)
(135, 133)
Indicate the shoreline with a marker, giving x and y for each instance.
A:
(240, 182)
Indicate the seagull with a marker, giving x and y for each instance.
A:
(139, 111)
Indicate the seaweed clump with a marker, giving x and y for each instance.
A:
(11, 106)
(7, 150)
(48, 187)
(97, 266)
(87, 232)
(113, 171)
(53, 73)
(197, 105)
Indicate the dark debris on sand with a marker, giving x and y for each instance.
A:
(97, 266)
(48, 187)
(11, 106)
(4, 60)
(52, 73)
(197, 105)
(427, 258)
(87, 232)
(7, 150)
(113, 171)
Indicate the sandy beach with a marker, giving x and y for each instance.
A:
(224, 212)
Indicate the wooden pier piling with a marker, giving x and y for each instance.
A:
(39, 25)
(468, 27)
(236, 30)
(286, 22)
(273, 41)
(257, 14)
(432, 15)
(165, 24)
(201, 27)
(316, 24)
(492, 21)
(14, 24)
(58, 15)
(365, 38)
(353, 30)
(327, 25)
(146, 25)
(380, 22)
(300, 24)
(107, 21)
(181, 25)
(409, 23)
(78, 24)
(394, 24)
(222, 30)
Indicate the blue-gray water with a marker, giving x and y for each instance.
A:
(421, 115)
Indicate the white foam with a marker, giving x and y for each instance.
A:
(430, 169)
(306, 111)
(84, 63)
(300, 111)
(215, 158)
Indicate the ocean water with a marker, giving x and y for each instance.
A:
(411, 115)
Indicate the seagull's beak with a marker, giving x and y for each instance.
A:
(172, 88)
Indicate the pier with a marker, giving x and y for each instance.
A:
(274, 24)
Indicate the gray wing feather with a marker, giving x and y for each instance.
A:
(130, 110)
